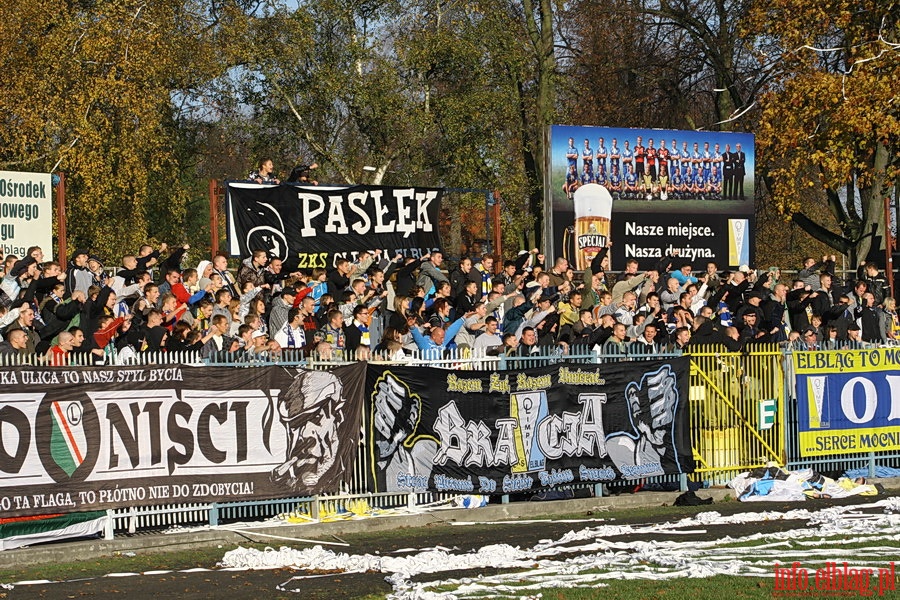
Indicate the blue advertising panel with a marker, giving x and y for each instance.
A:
(848, 401)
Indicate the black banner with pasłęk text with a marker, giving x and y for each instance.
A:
(312, 226)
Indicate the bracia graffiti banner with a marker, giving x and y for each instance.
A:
(311, 226)
(98, 438)
(514, 431)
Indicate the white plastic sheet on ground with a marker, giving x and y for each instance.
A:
(585, 558)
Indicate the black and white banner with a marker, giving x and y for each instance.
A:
(311, 226)
(98, 438)
(513, 431)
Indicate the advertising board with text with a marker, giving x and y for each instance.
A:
(848, 401)
(26, 212)
(632, 187)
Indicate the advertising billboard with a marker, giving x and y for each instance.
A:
(649, 192)
(26, 212)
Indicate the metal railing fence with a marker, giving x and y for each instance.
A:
(730, 394)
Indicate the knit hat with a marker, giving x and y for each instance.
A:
(21, 266)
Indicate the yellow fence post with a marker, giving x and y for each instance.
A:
(731, 396)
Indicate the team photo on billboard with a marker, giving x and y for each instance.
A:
(650, 192)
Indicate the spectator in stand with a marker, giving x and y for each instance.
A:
(731, 292)
(490, 338)
(357, 331)
(157, 337)
(646, 344)
(617, 344)
(855, 341)
(339, 278)
(264, 173)
(281, 307)
(275, 276)
(874, 279)
(557, 273)
(811, 270)
(216, 340)
(831, 341)
(485, 269)
(178, 339)
(25, 323)
(749, 328)
(809, 340)
(683, 275)
(870, 321)
(631, 270)
(78, 276)
(253, 269)
(220, 266)
(681, 339)
(223, 308)
(459, 277)
(429, 272)
(19, 278)
(333, 332)
(95, 266)
(292, 334)
(259, 346)
(509, 276)
(15, 343)
(528, 343)
(890, 326)
(438, 339)
(308, 313)
(406, 276)
(840, 315)
(466, 301)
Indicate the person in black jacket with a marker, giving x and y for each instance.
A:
(406, 277)
(867, 316)
(460, 276)
(875, 281)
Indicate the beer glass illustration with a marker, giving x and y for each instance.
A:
(593, 209)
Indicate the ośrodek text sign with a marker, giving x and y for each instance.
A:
(848, 401)
(98, 438)
(515, 431)
(26, 212)
(312, 226)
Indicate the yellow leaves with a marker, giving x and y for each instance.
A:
(831, 120)
(100, 75)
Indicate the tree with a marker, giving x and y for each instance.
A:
(91, 94)
(429, 93)
(664, 63)
(829, 124)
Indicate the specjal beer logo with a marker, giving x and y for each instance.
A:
(68, 434)
(591, 240)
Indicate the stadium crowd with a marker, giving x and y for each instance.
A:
(391, 306)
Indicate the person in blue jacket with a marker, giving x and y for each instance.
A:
(438, 339)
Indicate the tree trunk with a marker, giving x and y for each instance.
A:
(539, 26)
(871, 242)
